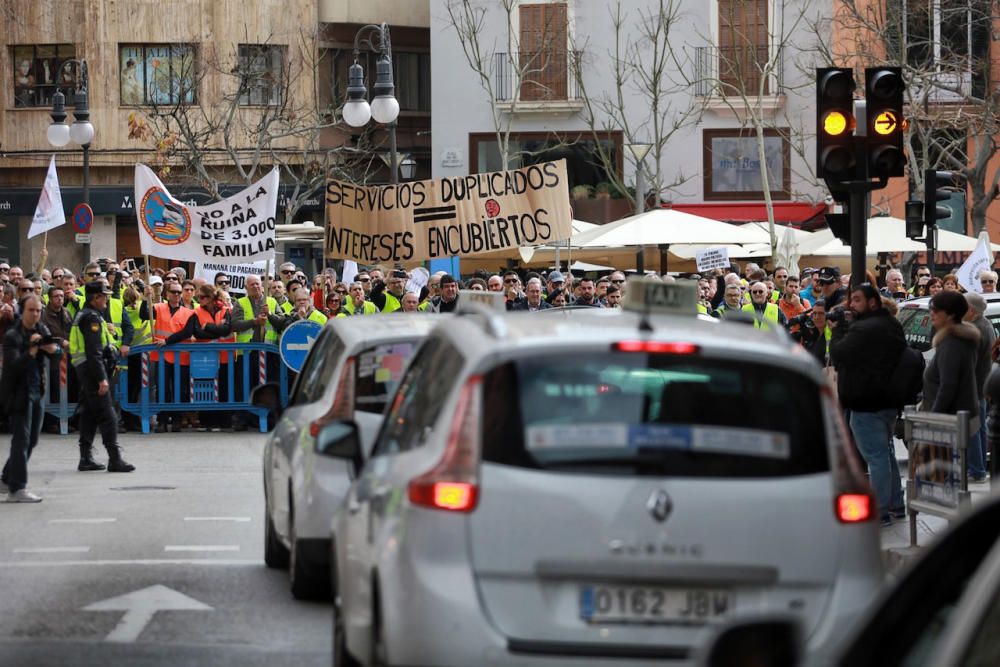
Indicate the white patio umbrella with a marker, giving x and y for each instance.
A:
(884, 235)
(788, 252)
(665, 229)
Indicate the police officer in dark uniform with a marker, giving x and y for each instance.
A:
(90, 355)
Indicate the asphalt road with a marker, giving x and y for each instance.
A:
(181, 539)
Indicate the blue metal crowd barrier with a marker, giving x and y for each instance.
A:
(203, 387)
(61, 409)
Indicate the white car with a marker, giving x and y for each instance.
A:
(591, 485)
(350, 372)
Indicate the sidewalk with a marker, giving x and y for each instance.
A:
(896, 549)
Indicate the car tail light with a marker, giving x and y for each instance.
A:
(656, 347)
(854, 507)
(853, 500)
(453, 484)
(343, 400)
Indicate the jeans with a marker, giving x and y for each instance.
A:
(978, 446)
(873, 435)
(24, 428)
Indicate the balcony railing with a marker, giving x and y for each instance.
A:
(736, 71)
(547, 75)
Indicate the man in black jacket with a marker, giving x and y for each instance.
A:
(865, 349)
(22, 387)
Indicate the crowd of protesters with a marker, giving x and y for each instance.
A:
(852, 330)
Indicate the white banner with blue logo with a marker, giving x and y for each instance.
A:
(238, 229)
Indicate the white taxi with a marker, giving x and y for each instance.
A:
(581, 486)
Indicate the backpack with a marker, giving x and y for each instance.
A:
(907, 379)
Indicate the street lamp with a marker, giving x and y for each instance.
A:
(639, 151)
(384, 108)
(408, 167)
(81, 132)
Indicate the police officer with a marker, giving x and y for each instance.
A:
(88, 339)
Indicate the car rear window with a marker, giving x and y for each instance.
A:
(380, 369)
(917, 327)
(653, 414)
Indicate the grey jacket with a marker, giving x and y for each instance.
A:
(984, 353)
(950, 377)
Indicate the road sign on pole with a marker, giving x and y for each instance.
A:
(83, 218)
(296, 341)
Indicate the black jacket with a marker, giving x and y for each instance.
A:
(93, 368)
(865, 353)
(950, 377)
(16, 363)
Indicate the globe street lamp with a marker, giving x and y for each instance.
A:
(81, 132)
(384, 109)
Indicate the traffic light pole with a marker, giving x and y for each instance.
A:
(858, 211)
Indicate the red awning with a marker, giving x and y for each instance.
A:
(797, 214)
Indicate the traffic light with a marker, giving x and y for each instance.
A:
(835, 123)
(840, 225)
(884, 102)
(934, 181)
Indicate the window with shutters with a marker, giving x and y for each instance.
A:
(543, 56)
(743, 47)
(946, 44)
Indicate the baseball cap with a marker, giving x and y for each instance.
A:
(155, 280)
(828, 274)
(95, 287)
(556, 277)
(399, 273)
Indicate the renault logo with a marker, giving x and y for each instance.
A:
(660, 505)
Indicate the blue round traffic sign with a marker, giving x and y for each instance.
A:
(296, 341)
(83, 218)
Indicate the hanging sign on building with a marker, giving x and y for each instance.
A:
(459, 216)
(238, 229)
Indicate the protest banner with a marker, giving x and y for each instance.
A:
(237, 273)
(712, 258)
(460, 216)
(237, 229)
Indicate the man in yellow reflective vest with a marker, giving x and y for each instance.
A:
(88, 341)
(356, 303)
(254, 318)
(765, 313)
(388, 298)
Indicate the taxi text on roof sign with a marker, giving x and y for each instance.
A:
(652, 296)
(491, 300)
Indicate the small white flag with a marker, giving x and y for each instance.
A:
(350, 271)
(49, 213)
(980, 260)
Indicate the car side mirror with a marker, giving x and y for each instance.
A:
(771, 641)
(341, 440)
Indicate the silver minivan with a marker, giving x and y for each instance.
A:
(562, 488)
(351, 371)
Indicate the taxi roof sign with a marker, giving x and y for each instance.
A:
(651, 296)
(494, 301)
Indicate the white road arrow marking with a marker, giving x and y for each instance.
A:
(301, 347)
(140, 606)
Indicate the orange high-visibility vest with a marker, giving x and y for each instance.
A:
(205, 317)
(165, 324)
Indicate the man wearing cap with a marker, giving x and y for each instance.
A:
(388, 297)
(555, 281)
(89, 338)
(448, 300)
(830, 288)
(984, 362)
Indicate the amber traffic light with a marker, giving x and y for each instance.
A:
(835, 123)
(884, 101)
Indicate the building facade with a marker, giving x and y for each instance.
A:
(211, 93)
(588, 81)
